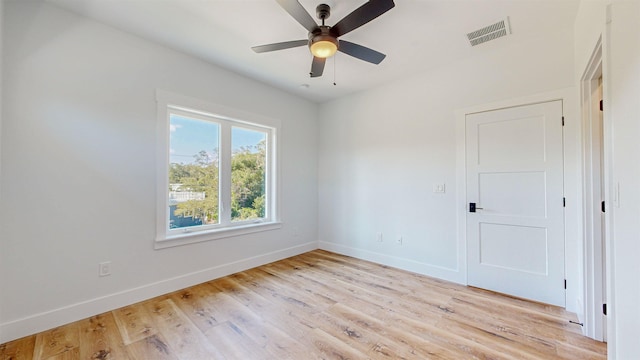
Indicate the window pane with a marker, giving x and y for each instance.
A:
(193, 172)
(248, 159)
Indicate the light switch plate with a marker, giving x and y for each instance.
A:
(438, 188)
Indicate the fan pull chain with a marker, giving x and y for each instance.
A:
(334, 70)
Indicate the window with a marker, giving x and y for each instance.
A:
(216, 172)
(248, 180)
(194, 171)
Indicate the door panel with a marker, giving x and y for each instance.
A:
(520, 140)
(528, 254)
(515, 240)
(501, 193)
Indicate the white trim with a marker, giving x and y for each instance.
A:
(213, 109)
(224, 180)
(611, 189)
(417, 267)
(461, 193)
(594, 240)
(561, 94)
(47, 320)
(216, 234)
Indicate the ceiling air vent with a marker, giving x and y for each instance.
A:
(491, 32)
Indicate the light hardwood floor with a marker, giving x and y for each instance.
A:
(319, 305)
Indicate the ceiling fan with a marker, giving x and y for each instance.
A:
(323, 40)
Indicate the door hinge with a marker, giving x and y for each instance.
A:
(602, 206)
(563, 121)
(601, 107)
(564, 202)
(604, 309)
(565, 284)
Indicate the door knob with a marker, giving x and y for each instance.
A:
(473, 207)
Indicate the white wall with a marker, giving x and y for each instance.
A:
(621, 59)
(382, 151)
(623, 94)
(78, 169)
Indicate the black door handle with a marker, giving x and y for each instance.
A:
(473, 207)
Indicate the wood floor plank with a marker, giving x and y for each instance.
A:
(331, 347)
(380, 292)
(151, 347)
(134, 323)
(496, 325)
(233, 343)
(183, 337)
(21, 349)
(274, 311)
(395, 277)
(272, 339)
(71, 354)
(319, 305)
(475, 338)
(570, 351)
(277, 312)
(241, 316)
(266, 285)
(99, 338)
(420, 345)
(531, 321)
(198, 303)
(328, 287)
(56, 341)
(364, 335)
(353, 295)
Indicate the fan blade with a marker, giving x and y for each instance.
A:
(298, 12)
(317, 66)
(362, 15)
(280, 46)
(360, 52)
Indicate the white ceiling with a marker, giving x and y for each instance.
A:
(416, 35)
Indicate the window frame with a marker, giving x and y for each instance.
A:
(226, 118)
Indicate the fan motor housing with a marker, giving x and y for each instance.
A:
(323, 11)
(322, 34)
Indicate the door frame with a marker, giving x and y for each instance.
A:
(595, 240)
(572, 175)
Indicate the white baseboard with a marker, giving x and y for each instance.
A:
(50, 319)
(443, 273)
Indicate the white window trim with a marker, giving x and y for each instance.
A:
(165, 238)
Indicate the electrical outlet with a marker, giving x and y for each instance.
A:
(379, 237)
(439, 188)
(399, 240)
(104, 268)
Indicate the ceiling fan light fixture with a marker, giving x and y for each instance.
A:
(323, 46)
(323, 39)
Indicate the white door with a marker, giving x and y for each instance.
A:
(515, 238)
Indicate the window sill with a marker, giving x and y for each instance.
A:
(166, 241)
